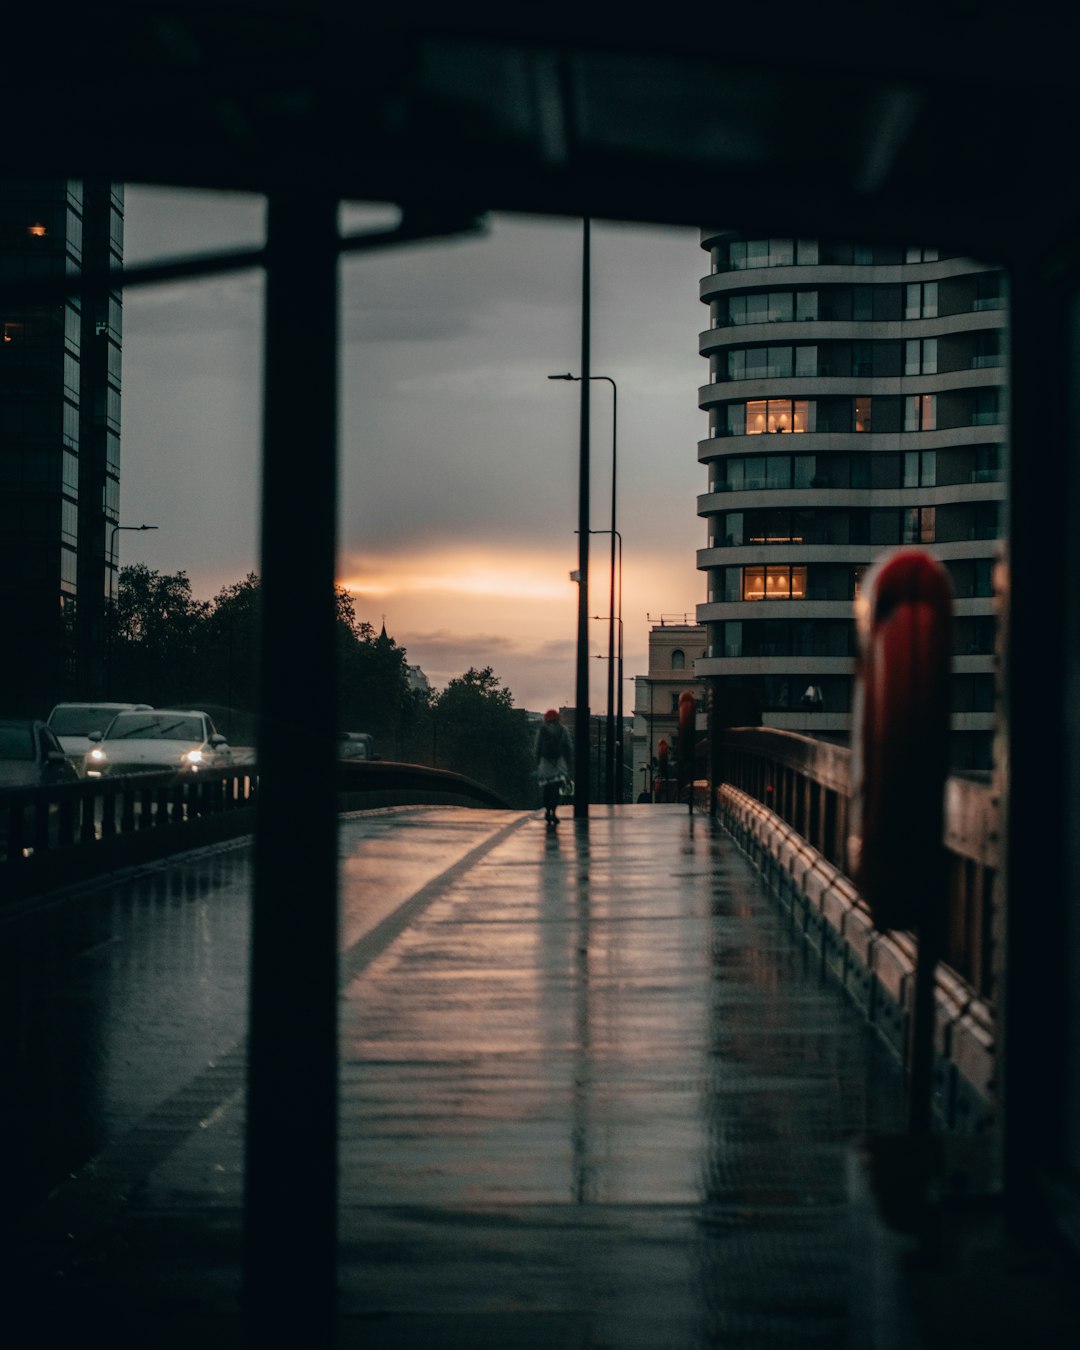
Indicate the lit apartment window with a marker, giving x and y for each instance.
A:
(776, 415)
(920, 525)
(774, 583)
(862, 413)
(920, 412)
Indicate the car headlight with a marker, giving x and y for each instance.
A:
(193, 757)
(97, 756)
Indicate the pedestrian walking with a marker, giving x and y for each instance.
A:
(554, 752)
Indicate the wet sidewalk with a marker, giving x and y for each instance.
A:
(592, 1095)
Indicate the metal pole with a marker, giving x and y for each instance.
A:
(291, 1158)
(611, 751)
(581, 712)
(619, 709)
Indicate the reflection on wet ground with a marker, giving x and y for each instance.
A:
(113, 997)
(592, 1095)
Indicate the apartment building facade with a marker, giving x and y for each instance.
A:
(856, 402)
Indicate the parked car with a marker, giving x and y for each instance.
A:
(157, 740)
(357, 745)
(31, 755)
(73, 723)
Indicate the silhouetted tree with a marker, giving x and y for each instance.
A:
(153, 636)
(481, 734)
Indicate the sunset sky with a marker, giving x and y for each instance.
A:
(459, 456)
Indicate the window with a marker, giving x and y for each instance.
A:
(678, 662)
(862, 359)
(920, 525)
(914, 254)
(988, 352)
(69, 521)
(987, 464)
(921, 356)
(760, 363)
(920, 412)
(746, 253)
(989, 292)
(776, 415)
(921, 300)
(774, 583)
(920, 468)
(806, 305)
(987, 408)
(862, 413)
(806, 361)
(733, 638)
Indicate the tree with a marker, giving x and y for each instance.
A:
(482, 735)
(153, 635)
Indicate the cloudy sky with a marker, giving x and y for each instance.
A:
(459, 456)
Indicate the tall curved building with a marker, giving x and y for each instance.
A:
(856, 401)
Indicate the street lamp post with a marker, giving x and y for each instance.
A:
(614, 755)
(113, 530)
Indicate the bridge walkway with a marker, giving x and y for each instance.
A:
(592, 1094)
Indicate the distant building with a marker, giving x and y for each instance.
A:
(59, 440)
(417, 679)
(675, 652)
(856, 401)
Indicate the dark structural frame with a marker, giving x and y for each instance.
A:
(957, 136)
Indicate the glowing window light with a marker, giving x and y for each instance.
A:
(37, 231)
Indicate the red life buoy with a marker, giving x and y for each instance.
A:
(900, 735)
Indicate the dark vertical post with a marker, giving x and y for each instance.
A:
(581, 713)
(1042, 662)
(291, 1163)
(714, 747)
(611, 751)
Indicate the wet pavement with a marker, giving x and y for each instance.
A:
(593, 1094)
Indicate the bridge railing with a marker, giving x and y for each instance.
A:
(786, 796)
(806, 783)
(57, 835)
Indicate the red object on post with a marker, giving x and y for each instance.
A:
(900, 736)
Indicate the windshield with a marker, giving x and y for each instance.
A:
(16, 741)
(76, 721)
(155, 727)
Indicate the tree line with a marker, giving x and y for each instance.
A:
(168, 648)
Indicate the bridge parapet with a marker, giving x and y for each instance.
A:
(785, 798)
(57, 835)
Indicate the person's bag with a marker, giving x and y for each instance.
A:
(566, 787)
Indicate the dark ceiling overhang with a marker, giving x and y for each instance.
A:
(947, 123)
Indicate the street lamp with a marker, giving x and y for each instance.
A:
(113, 529)
(614, 791)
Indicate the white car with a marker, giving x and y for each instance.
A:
(183, 740)
(72, 723)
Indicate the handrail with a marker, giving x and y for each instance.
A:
(56, 835)
(806, 783)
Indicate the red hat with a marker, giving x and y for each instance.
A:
(551, 715)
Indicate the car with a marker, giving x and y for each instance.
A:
(356, 745)
(157, 740)
(31, 755)
(73, 723)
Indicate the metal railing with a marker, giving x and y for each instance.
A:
(785, 796)
(58, 835)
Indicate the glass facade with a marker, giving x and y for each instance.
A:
(59, 436)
